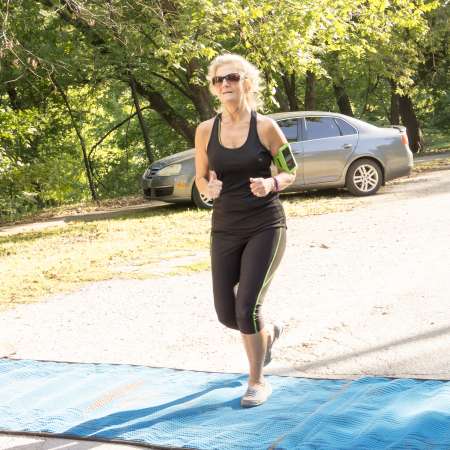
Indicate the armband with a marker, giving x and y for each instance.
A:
(284, 160)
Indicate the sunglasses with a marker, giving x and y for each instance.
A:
(230, 77)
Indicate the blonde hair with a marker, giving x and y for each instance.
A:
(251, 73)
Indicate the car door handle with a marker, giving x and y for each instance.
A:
(346, 146)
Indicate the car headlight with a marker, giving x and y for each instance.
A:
(173, 169)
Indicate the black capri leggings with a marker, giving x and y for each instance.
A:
(248, 264)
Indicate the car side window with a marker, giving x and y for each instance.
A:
(289, 127)
(345, 128)
(320, 127)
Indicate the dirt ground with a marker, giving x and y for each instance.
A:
(360, 292)
(363, 292)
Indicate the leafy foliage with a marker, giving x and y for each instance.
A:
(68, 122)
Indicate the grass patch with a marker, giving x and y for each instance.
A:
(436, 141)
(36, 264)
(74, 209)
(427, 166)
(137, 245)
(313, 203)
(187, 269)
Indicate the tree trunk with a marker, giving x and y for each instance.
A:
(13, 97)
(410, 121)
(148, 148)
(202, 101)
(158, 103)
(342, 99)
(310, 91)
(86, 161)
(394, 112)
(289, 88)
(282, 101)
(38, 198)
(199, 94)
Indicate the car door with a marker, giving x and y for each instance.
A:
(291, 129)
(327, 145)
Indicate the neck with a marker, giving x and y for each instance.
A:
(236, 112)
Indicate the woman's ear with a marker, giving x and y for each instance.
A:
(247, 85)
(213, 90)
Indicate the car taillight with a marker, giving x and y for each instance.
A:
(405, 139)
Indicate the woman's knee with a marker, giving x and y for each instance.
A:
(249, 319)
(228, 321)
(224, 304)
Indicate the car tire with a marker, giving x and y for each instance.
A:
(200, 201)
(364, 177)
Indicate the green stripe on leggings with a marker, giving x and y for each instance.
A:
(266, 281)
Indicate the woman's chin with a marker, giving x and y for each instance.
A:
(229, 98)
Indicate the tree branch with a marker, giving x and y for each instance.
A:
(114, 128)
(168, 80)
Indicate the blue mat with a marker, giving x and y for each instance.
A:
(186, 409)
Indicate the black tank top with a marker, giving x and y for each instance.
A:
(237, 210)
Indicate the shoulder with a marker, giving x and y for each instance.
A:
(265, 123)
(268, 129)
(205, 126)
(203, 131)
(269, 132)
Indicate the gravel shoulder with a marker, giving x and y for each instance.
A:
(363, 292)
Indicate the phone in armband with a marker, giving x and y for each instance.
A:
(284, 160)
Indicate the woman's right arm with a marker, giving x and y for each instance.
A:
(201, 159)
(205, 180)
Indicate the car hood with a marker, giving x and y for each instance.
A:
(177, 157)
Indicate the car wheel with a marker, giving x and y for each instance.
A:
(364, 177)
(200, 200)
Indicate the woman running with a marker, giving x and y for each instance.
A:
(234, 151)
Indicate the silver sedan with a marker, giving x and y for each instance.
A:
(332, 151)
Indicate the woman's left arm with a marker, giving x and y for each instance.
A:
(276, 139)
(273, 138)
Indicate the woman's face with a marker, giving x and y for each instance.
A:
(229, 90)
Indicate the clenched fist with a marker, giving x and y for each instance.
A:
(214, 185)
(260, 187)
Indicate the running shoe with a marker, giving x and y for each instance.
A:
(256, 395)
(277, 330)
